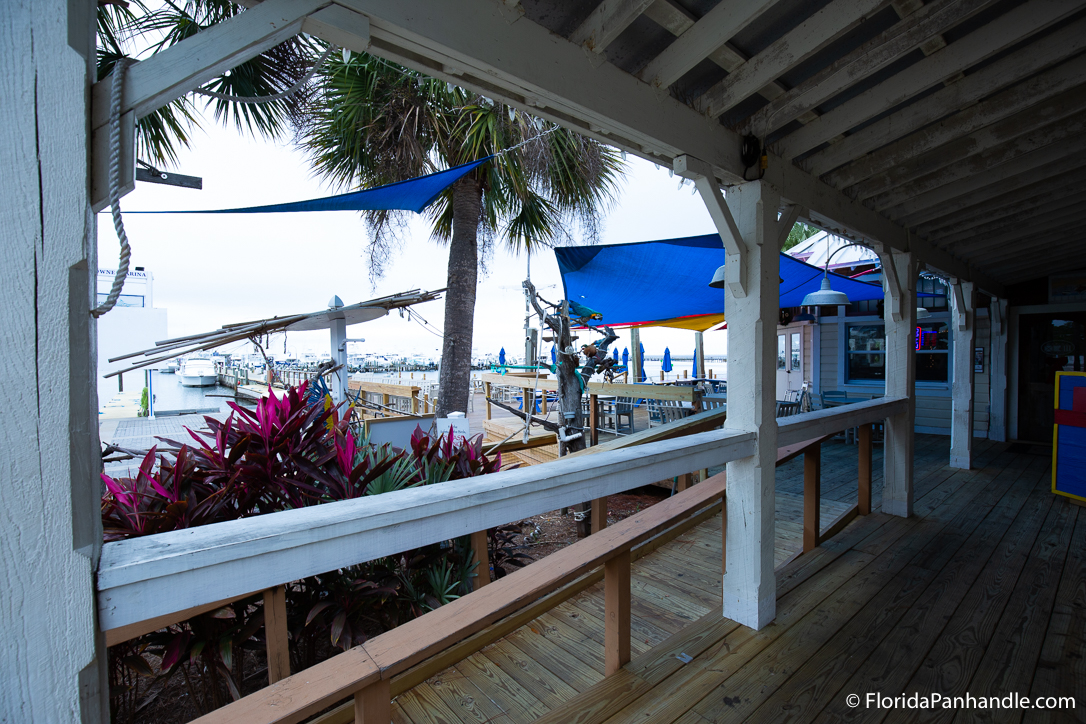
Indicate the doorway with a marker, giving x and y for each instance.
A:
(1047, 344)
(789, 360)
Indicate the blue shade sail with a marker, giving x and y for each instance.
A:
(666, 282)
(411, 195)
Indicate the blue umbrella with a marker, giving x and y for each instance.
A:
(554, 355)
(615, 350)
(666, 365)
(501, 356)
(643, 378)
(695, 363)
(626, 356)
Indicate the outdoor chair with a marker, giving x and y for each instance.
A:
(624, 407)
(833, 396)
(670, 411)
(787, 408)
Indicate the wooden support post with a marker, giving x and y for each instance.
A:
(415, 402)
(661, 375)
(486, 386)
(865, 470)
(543, 404)
(594, 423)
(373, 704)
(276, 633)
(616, 636)
(481, 555)
(963, 320)
(385, 402)
(997, 365)
(752, 299)
(899, 284)
(724, 535)
(812, 491)
(685, 481)
(599, 514)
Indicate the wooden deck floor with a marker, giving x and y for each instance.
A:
(983, 592)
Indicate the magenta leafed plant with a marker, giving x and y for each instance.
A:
(285, 454)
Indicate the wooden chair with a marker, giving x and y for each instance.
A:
(624, 407)
(787, 408)
(833, 396)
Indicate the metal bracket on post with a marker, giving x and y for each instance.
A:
(701, 173)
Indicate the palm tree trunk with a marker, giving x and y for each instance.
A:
(455, 381)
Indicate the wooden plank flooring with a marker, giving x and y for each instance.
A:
(981, 592)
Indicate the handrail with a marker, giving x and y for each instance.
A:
(142, 578)
(818, 423)
(374, 663)
(658, 392)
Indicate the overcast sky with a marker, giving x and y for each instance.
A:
(215, 269)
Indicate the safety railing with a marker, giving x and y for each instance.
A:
(147, 583)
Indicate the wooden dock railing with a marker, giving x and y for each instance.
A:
(387, 391)
(147, 583)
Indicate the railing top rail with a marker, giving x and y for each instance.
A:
(157, 575)
(818, 423)
(397, 650)
(618, 389)
(385, 388)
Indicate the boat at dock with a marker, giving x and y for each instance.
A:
(198, 372)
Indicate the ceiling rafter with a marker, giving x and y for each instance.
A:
(1023, 21)
(907, 133)
(606, 23)
(991, 246)
(1048, 159)
(989, 146)
(886, 47)
(1052, 208)
(1006, 204)
(788, 51)
(716, 27)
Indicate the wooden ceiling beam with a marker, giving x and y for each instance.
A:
(1024, 216)
(913, 124)
(874, 55)
(715, 28)
(1008, 29)
(607, 22)
(1021, 133)
(791, 49)
(1038, 265)
(1006, 204)
(1050, 155)
(677, 20)
(991, 245)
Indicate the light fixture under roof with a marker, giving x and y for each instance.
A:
(826, 296)
(922, 313)
(718, 278)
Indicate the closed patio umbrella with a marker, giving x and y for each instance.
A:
(554, 355)
(695, 375)
(666, 364)
(641, 372)
(501, 356)
(626, 356)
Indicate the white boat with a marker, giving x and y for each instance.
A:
(198, 372)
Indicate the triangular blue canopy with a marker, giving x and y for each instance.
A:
(411, 195)
(667, 282)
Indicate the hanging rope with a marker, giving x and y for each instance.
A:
(275, 96)
(114, 187)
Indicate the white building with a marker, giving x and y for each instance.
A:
(133, 324)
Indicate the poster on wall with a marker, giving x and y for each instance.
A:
(1066, 288)
(1069, 436)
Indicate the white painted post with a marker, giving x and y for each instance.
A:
(899, 284)
(963, 325)
(749, 584)
(699, 354)
(338, 330)
(50, 515)
(997, 407)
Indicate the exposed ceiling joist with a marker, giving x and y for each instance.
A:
(607, 22)
(710, 32)
(1021, 217)
(869, 58)
(1003, 32)
(956, 97)
(993, 245)
(791, 49)
(1019, 174)
(1049, 156)
(1013, 201)
(975, 154)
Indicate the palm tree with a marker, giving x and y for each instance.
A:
(370, 122)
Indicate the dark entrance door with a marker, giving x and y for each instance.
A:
(1048, 343)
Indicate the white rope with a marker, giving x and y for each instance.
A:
(276, 96)
(114, 189)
